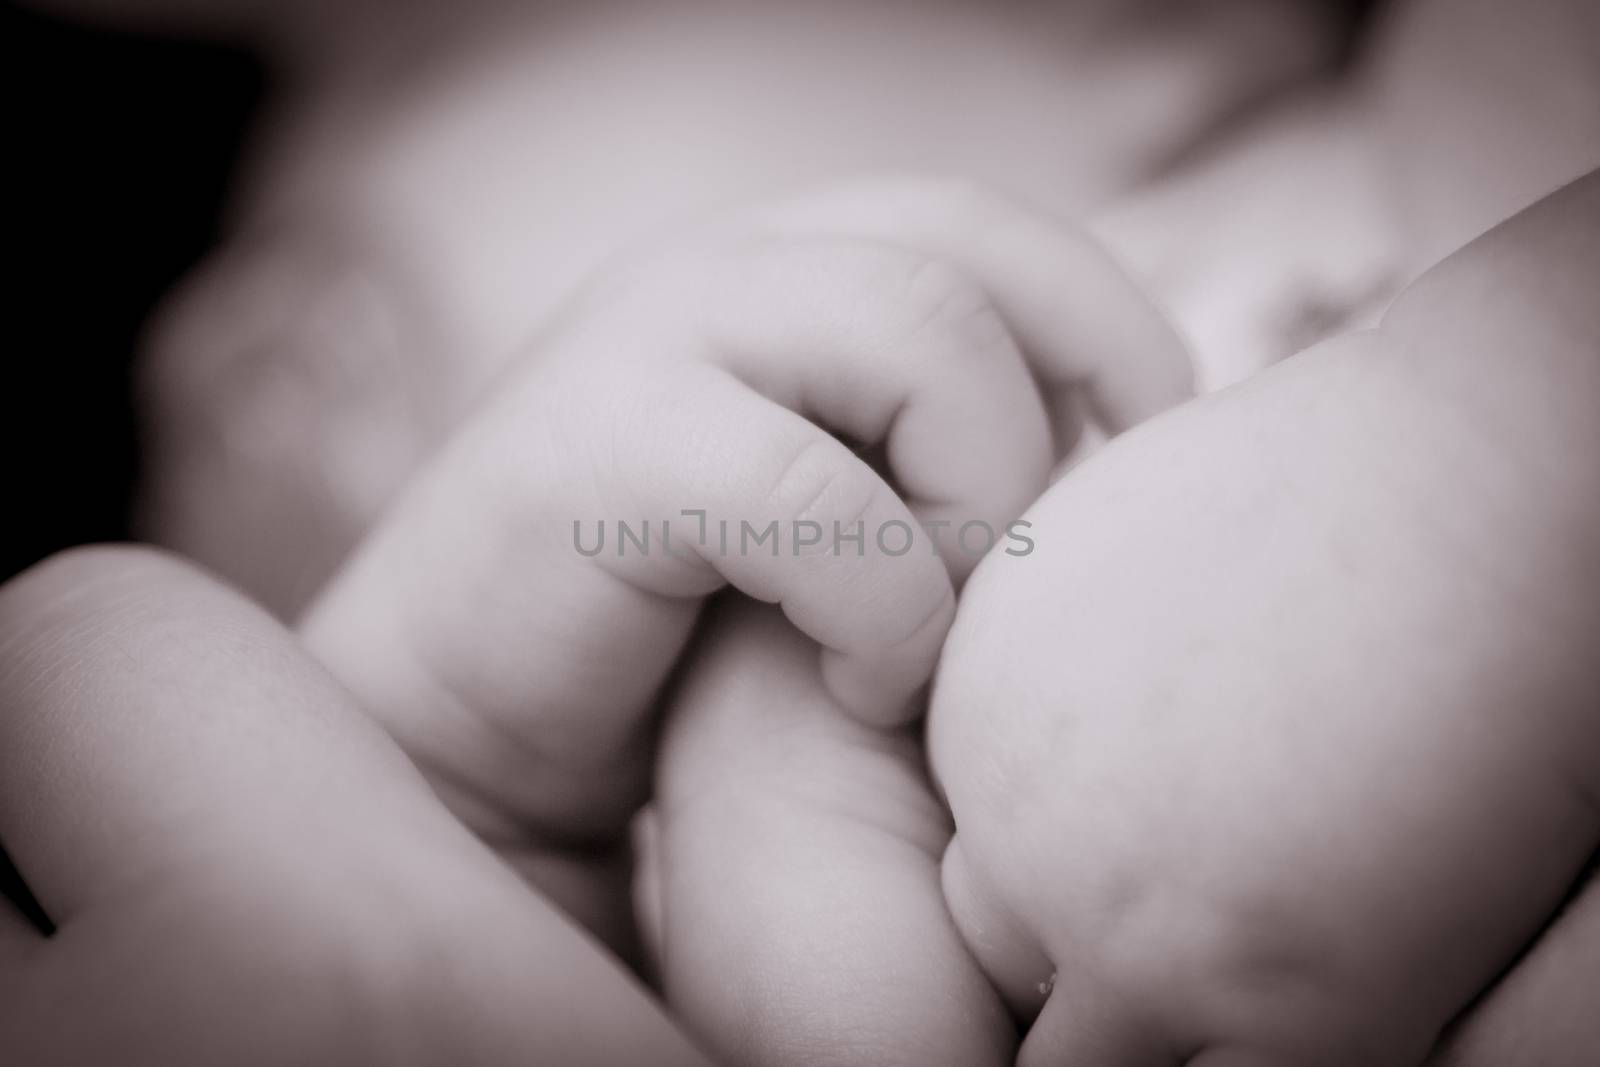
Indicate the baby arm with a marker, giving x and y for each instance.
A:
(1284, 741)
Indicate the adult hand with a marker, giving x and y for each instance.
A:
(241, 868)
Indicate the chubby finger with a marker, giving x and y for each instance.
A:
(517, 659)
(871, 590)
(516, 655)
(1084, 324)
(914, 356)
(215, 830)
(797, 875)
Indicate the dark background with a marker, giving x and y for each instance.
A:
(117, 152)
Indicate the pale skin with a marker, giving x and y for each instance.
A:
(1304, 779)
(1030, 881)
(1533, 1017)
(242, 868)
(954, 332)
(791, 882)
(946, 316)
(1295, 788)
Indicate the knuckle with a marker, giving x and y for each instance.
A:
(820, 480)
(942, 302)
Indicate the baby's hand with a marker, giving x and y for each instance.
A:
(793, 872)
(947, 330)
(1284, 742)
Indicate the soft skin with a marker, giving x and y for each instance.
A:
(793, 873)
(241, 868)
(954, 333)
(1294, 779)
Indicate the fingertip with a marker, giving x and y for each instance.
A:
(887, 688)
(870, 693)
(1163, 377)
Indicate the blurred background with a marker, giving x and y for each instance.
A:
(265, 255)
(163, 139)
(118, 146)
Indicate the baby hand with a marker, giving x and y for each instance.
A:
(940, 327)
